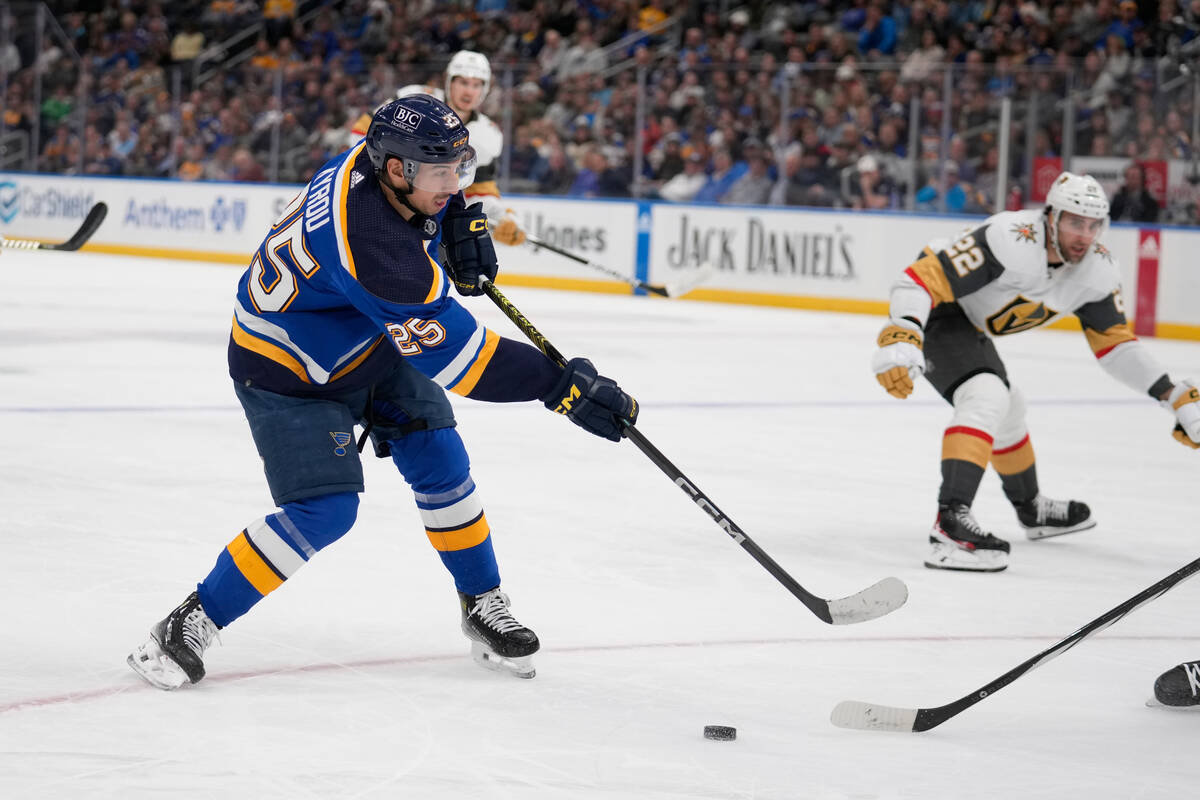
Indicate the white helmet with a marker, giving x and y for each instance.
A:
(469, 64)
(1079, 194)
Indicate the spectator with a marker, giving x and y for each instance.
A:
(187, 44)
(754, 187)
(1132, 203)
(725, 173)
(245, 168)
(683, 187)
(587, 180)
(878, 33)
(557, 177)
(870, 188)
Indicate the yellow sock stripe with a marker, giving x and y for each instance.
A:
(1014, 460)
(253, 566)
(966, 447)
(460, 538)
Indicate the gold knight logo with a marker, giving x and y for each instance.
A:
(1019, 315)
(1025, 231)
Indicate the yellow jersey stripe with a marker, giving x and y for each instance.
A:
(435, 289)
(464, 386)
(356, 362)
(252, 566)
(268, 350)
(461, 538)
(343, 183)
(1103, 341)
(928, 271)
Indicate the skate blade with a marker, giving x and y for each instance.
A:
(952, 557)
(520, 667)
(1154, 702)
(156, 667)
(1049, 531)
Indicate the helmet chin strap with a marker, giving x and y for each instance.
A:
(1052, 217)
(401, 195)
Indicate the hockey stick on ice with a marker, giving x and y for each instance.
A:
(90, 223)
(881, 598)
(868, 716)
(668, 290)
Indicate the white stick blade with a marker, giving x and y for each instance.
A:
(868, 717)
(680, 288)
(871, 603)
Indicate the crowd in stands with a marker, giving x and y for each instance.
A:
(795, 103)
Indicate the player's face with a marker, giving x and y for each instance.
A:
(429, 202)
(1077, 234)
(465, 93)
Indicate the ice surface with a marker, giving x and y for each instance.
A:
(126, 466)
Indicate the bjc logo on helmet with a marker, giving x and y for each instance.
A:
(407, 118)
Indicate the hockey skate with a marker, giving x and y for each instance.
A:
(957, 542)
(498, 642)
(1178, 688)
(175, 653)
(1042, 517)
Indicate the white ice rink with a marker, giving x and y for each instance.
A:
(126, 465)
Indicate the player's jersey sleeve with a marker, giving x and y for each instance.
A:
(1104, 323)
(952, 271)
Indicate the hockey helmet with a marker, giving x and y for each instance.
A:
(469, 64)
(1079, 194)
(428, 138)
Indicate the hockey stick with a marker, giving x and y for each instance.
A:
(867, 716)
(90, 223)
(671, 290)
(881, 598)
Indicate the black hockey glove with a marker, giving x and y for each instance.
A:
(469, 250)
(591, 401)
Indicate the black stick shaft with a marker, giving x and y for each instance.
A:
(649, 287)
(932, 717)
(817, 605)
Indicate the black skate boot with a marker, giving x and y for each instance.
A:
(1178, 687)
(498, 641)
(957, 542)
(1042, 517)
(175, 653)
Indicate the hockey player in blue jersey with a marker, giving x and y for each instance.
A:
(344, 317)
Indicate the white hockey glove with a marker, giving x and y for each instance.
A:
(507, 231)
(899, 361)
(1184, 400)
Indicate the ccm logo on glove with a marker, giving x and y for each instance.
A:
(592, 401)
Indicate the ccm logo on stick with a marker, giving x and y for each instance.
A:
(710, 509)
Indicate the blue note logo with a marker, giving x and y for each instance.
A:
(225, 213)
(340, 440)
(10, 201)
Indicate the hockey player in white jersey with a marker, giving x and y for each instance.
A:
(468, 79)
(1016, 271)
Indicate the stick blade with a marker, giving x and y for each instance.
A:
(858, 716)
(680, 288)
(871, 603)
(90, 224)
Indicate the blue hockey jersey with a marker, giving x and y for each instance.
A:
(342, 285)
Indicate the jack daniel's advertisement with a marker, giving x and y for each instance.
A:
(753, 247)
(749, 249)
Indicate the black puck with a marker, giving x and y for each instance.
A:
(720, 733)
